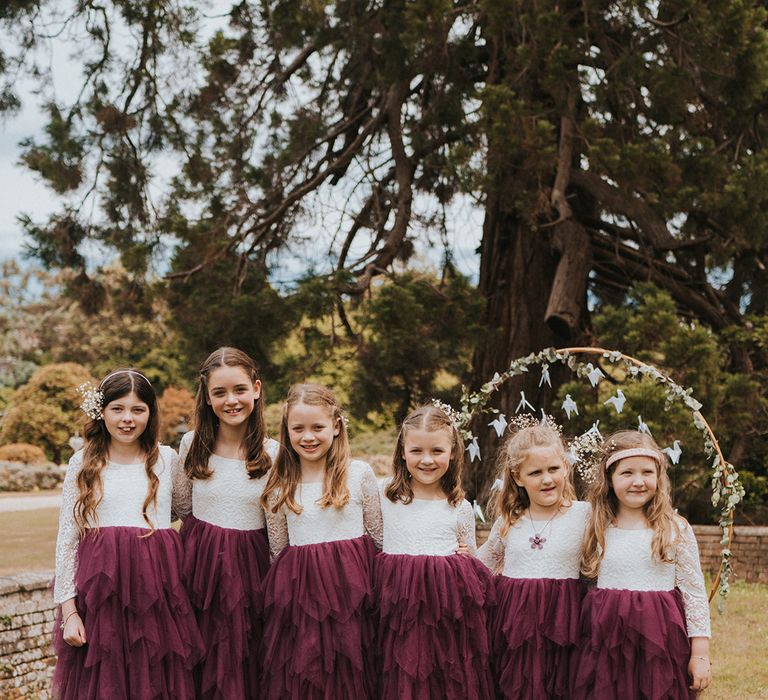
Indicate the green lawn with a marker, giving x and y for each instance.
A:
(740, 645)
(740, 636)
(28, 540)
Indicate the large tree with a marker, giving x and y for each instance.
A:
(606, 142)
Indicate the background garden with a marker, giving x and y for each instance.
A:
(397, 199)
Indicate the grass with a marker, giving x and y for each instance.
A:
(740, 645)
(28, 540)
(740, 636)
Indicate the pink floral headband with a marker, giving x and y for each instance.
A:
(633, 452)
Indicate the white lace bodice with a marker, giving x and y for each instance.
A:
(124, 489)
(559, 557)
(628, 564)
(315, 524)
(229, 497)
(432, 527)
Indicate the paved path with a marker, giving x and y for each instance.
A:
(8, 505)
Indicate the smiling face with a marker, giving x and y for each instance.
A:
(427, 455)
(232, 395)
(635, 481)
(542, 474)
(126, 418)
(311, 430)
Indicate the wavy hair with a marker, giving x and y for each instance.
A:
(605, 505)
(257, 460)
(90, 485)
(285, 476)
(429, 418)
(513, 500)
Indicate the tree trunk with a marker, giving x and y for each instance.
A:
(517, 273)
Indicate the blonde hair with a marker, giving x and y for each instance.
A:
(285, 476)
(429, 418)
(512, 500)
(605, 505)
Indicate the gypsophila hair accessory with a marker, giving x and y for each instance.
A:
(584, 453)
(528, 420)
(455, 416)
(93, 401)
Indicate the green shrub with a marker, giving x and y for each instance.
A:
(45, 411)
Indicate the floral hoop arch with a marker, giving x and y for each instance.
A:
(727, 490)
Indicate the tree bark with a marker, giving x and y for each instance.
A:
(517, 272)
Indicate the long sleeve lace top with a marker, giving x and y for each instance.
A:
(559, 556)
(124, 490)
(432, 527)
(629, 564)
(228, 498)
(316, 524)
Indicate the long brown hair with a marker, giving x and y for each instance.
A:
(285, 476)
(429, 418)
(605, 505)
(257, 460)
(513, 500)
(114, 386)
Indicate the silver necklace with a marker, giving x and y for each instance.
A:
(537, 541)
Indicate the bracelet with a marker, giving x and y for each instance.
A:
(66, 619)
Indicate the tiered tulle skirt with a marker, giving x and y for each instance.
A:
(318, 631)
(432, 627)
(534, 630)
(142, 641)
(634, 645)
(223, 571)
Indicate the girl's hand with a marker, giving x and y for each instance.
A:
(463, 550)
(74, 632)
(700, 671)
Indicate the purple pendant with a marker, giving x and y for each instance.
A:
(537, 541)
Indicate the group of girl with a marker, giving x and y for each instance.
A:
(274, 587)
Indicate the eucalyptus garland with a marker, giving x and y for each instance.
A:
(727, 490)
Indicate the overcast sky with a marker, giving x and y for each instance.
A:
(23, 192)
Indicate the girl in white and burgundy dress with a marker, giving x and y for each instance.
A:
(125, 627)
(432, 628)
(536, 545)
(226, 554)
(645, 628)
(323, 518)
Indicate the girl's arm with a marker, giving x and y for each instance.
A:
(67, 538)
(690, 580)
(64, 590)
(492, 552)
(277, 531)
(465, 532)
(181, 500)
(372, 520)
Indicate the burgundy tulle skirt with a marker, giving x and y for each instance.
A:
(142, 638)
(534, 630)
(318, 630)
(433, 628)
(223, 571)
(633, 645)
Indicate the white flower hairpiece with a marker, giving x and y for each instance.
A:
(585, 451)
(93, 401)
(455, 416)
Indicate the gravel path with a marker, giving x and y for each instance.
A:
(8, 505)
